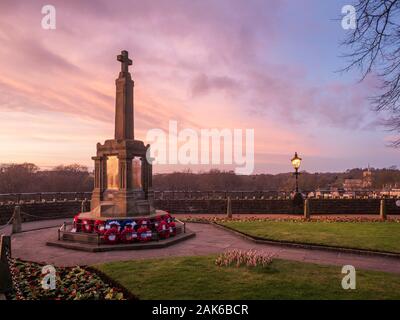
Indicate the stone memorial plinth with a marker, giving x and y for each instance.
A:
(123, 176)
(122, 205)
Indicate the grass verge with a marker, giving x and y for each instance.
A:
(380, 236)
(199, 278)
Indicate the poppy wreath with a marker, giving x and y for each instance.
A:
(144, 232)
(130, 224)
(144, 222)
(167, 218)
(113, 224)
(129, 234)
(87, 226)
(163, 230)
(99, 227)
(157, 221)
(111, 235)
(172, 228)
(76, 225)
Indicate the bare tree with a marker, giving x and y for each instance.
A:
(374, 47)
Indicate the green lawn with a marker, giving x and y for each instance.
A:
(199, 278)
(383, 236)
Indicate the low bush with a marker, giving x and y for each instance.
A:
(238, 258)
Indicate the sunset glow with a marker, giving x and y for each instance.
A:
(205, 64)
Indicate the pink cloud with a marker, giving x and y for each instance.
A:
(191, 59)
(203, 84)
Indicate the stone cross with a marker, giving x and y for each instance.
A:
(125, 61)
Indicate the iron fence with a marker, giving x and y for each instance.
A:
(44, 196)
(204, 195)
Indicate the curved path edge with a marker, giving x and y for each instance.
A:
(304, 245)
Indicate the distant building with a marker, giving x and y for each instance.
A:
(358, 184)
(327, 193)
(352, 184)
(367, 178)
(349, 195)
(337, 192)
(322, 193)
(393, 192)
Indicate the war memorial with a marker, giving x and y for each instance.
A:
(122, 214)
(275, 179)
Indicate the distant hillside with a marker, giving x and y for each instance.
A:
(220, 180)
(19, 178)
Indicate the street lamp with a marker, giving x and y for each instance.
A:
(296, 161)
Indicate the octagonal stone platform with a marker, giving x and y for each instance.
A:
(69, 238)
(117, 247)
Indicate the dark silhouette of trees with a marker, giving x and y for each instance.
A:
(16, 177)
(24, 178)
(374, 47)
(227, 180)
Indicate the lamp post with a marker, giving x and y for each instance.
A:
(296, 161)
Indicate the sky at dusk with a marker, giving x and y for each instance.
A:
(267, 65)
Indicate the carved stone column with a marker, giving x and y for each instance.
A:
(150, 176)
(124, 100)
(98, 182)
(104, 174)
(125, 173)
(150, 192)
(97, 172)
(144, 173)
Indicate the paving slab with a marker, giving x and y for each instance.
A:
(31, 246)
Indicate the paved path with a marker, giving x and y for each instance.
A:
(31, 246)
(283, 216)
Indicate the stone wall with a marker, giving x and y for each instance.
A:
(317, 206)
(69, 208)
(351, 206)
(218, 206)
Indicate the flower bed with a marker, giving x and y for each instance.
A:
(71, 283)
(289, 219)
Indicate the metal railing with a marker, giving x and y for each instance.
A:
(44, 196)
(98, 237)
(271, 195)
(12, 198)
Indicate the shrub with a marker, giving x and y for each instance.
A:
(238, 258)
